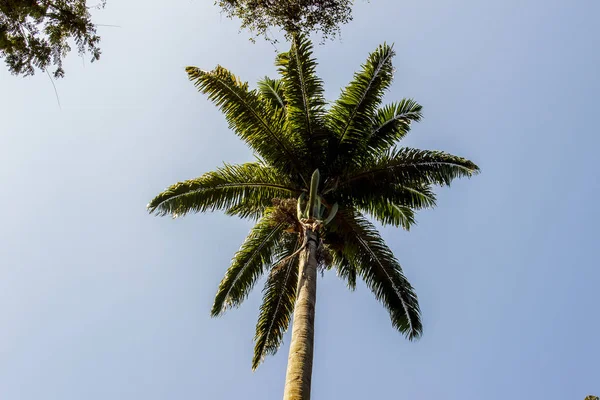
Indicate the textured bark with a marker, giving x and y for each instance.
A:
(299, 369)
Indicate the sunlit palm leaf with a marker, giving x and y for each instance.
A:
(224, 188)
(358, 102)
(405, 165)
(303, 94)
(271, 90)
(279, 297)
(250, 117)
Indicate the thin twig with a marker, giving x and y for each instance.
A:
(54, 86)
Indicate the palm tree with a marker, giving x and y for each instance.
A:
(320, 171)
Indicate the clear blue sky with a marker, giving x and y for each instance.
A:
(100, 301)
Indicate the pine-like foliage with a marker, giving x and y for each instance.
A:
(354, 145)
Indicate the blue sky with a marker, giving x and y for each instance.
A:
(98, 300)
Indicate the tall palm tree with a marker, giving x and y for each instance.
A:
(320, 172)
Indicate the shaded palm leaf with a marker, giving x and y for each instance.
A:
(279, 297)
(249, 207)
(225, 188)
(368, 194)
(248, 264)
(388, 213)
(343, 267)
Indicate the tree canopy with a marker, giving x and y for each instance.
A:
(294, 134)
(35, 34)
(291, 16)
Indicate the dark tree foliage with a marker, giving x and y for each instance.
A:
(291, 16)
(36, 33)
(592, 398)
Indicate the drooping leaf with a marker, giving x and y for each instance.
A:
(248, 264)
(334, 243)
(279, 297)
(379, 268)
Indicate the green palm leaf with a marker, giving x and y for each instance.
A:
(271, 90)
(392, 123)
(343, 267)
(249, 207)
(279, 297)
(389, 213)
(248, 264)
(378, 267)
(303, 93)
(250, 117)
(367, 194)
(412, 166)
(358, 102)
(357, 170)
(225, 188)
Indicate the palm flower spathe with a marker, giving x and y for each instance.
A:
(322, 171)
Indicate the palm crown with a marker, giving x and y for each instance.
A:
(348, 152)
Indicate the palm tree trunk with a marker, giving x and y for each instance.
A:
(299, 369)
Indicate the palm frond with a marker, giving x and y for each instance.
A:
(303, 93)
(357, 105)
(411, 166)
(279, 297)
(248, 264)
(392, 123)
(271, 90)
(388, 213)
(224, 188)
(343, 267)
(249, 207)
(379, 268)
(366, 194)
(259, 125)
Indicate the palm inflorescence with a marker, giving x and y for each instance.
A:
(352, 143)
